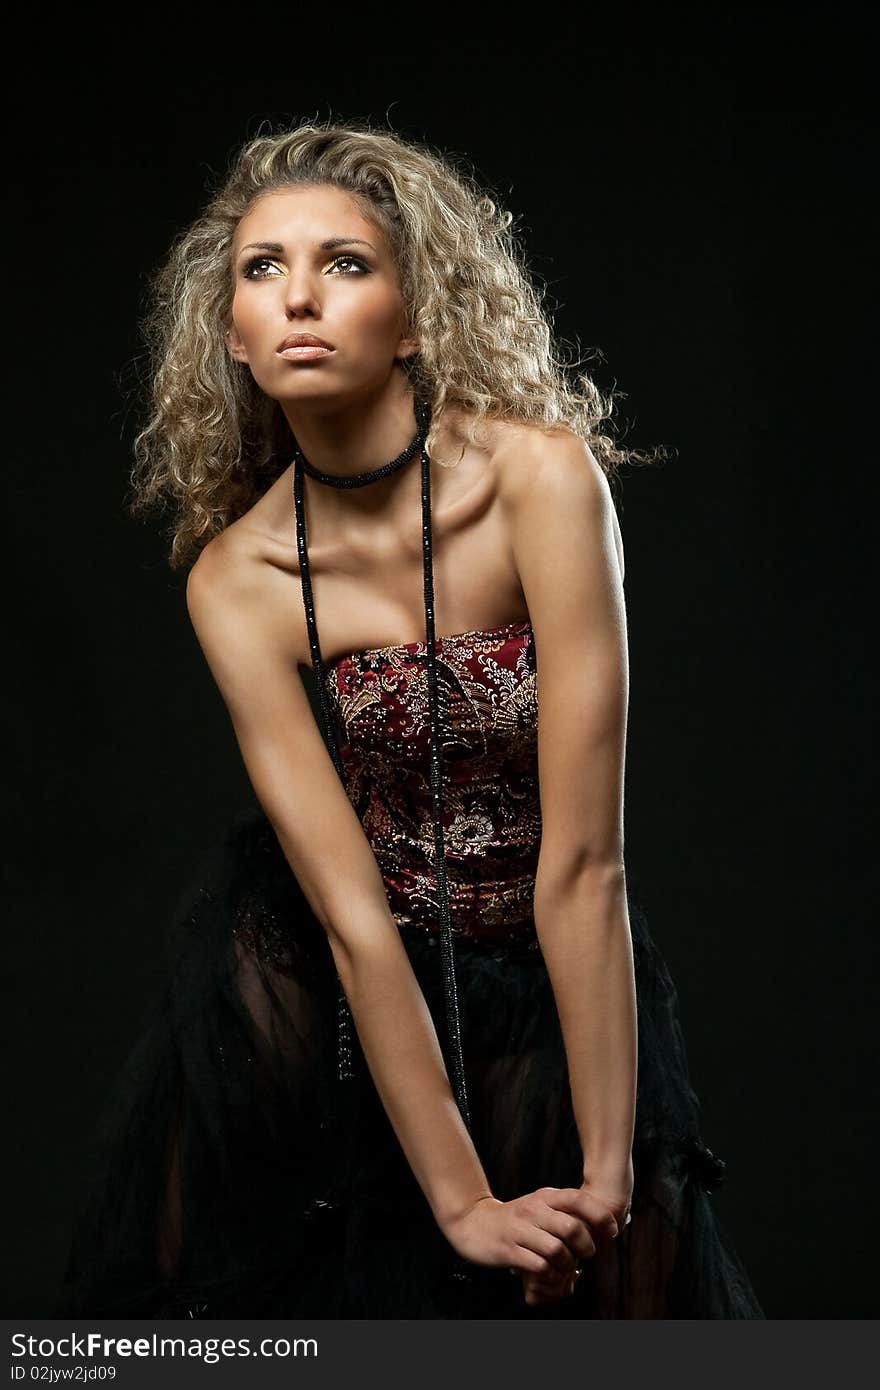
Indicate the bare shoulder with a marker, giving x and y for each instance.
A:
(555, 469)
(234, 594)
(529, 457)
(226, 569)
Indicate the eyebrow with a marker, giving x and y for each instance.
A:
(330, 245)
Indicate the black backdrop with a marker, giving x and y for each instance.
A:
(692, 197)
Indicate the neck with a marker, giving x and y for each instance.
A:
(344, 438)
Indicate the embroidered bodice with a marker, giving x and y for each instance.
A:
(487, 682)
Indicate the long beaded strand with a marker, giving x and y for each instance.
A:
(302, 466)
(453, 1022)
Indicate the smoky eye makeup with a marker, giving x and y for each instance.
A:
(351, 264)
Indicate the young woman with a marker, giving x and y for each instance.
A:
(418, 1055)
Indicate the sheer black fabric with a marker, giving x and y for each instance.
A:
(234, 1176)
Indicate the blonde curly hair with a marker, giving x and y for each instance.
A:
(213, 441)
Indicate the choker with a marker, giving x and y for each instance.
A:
(371, 475)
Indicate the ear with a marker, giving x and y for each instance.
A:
(235, 346)
(407, 347)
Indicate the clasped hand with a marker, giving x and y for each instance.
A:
(542, 1236)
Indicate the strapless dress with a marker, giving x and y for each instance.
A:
(234, 1175)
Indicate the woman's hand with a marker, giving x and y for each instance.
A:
(615, 1196)
(543, 1235)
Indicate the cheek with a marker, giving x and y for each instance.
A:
(377, 312)
(247, 312)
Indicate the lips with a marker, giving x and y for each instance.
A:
(304, 340)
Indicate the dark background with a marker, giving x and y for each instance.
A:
(692, 195)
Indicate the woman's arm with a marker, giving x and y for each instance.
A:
(568, 556)
(245, 635)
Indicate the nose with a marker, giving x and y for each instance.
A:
(303, 296)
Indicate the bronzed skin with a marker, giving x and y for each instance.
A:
(524, 526)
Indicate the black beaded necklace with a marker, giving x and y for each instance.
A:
(301, 467)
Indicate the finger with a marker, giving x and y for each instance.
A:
(571, 1229)
(528, 1261)
(551, 1280)
(537, 1293)
(550, 1248)
(588, 1205)
(534, 1298)
(590, 1208)
(547, 1291)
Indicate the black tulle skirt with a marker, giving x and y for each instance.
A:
(233, 1175)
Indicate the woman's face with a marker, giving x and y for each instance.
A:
(305, 260)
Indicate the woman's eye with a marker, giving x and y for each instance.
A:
(353, 260)
(252, 264)
(256, 261)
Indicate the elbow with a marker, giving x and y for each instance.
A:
(361, 931)
(579, 877)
